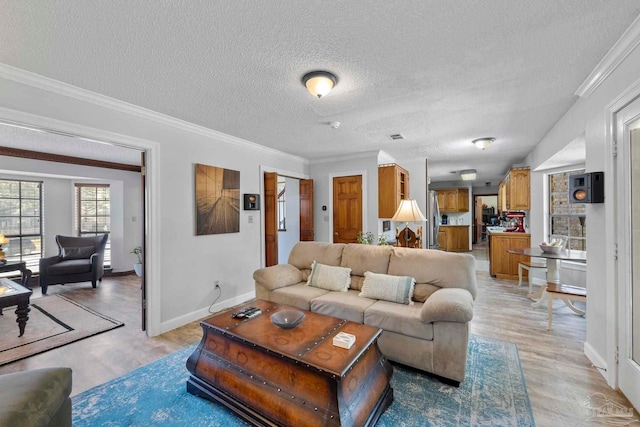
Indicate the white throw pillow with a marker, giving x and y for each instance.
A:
(389, 288)
(329, 277)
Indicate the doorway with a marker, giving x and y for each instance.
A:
(628, 236)
(485, 207)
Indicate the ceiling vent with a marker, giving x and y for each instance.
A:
(396, 136)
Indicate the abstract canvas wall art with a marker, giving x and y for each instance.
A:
(217, 200)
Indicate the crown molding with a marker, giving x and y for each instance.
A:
(620, 50)
(50, 85)
(356, 156)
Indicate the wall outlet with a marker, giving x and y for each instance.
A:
(217, 284)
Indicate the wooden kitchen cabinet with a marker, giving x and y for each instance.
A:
(454, 238)
(514, 192)
(519, 189)
(393, 186)
(502, 264)
(453, 200)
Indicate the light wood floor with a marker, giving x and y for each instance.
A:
(559, 377)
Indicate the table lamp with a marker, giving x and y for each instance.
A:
(408, 211)
(3, 241)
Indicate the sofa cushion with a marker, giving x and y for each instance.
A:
(422, 291)
(71, 266)
(344, 305)
(434, 267)
(299, 295)
(401, 319)
(397, 289)
(82, 252)
(303, 254)
(361, 258)
(329, 277)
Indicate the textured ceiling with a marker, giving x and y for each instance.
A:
(440, 72)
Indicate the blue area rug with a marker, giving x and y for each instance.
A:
(493, 394)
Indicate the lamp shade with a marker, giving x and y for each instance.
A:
(408, 211)
(319, 83)
(3, 240)
(468, 175)
(483, 143)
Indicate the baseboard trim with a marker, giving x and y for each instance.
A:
(204, 312)
(596, 360)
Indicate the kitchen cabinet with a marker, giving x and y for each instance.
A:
(393, 186)
(502, 264)
(514, 192)
(454, 238)
(453, 200)
(519, 189)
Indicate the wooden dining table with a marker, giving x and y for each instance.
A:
(553, 270)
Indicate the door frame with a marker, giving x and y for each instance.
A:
(611, 211)
(365, 209)
(280, 172)
(626, 369)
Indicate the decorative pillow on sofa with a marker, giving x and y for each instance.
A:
(329, 277)
(82, 252)
(389, 288)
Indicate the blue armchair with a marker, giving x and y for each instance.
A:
(79, 259)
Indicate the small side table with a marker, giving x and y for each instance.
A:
(13, 294)
(17, 266)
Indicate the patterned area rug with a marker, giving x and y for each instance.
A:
(53, 322)
(493, 394)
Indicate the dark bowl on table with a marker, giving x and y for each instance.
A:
(287, 319)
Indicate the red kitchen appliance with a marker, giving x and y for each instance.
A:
(517, 221)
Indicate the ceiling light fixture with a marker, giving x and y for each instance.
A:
(319, 83)
(483, 143)
(468, 174)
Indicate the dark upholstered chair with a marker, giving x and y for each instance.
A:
(80, 259)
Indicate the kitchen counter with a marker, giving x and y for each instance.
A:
(503, 264)
(453, 238)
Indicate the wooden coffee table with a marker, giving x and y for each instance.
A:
(291, 377)
(13, 294)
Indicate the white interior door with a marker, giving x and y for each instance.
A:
(628, 234)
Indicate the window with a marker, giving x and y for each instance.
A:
(566, 220)
(282, 207)
(21, 220)
(93, 213)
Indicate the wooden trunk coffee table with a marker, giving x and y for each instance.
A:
(271, 376)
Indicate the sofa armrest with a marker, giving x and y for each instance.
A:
(448, 305)
(277, 276)
(46, 262)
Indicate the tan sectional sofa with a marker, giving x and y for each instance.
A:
(432, 334)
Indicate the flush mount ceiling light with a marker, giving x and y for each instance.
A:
(319, 83)
(483, 143)
(468, 174)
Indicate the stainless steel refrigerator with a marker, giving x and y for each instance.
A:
(433, 220)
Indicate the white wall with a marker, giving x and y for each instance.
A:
(182, 266)
(590, 116)
(323, 172)
(58, 202)
(288, 238)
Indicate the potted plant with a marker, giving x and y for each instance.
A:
(137, 267)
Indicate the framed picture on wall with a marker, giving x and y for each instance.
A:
(217, 200)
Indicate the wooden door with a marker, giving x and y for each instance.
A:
(519, 187)
(442, 201)
(347, 208)
(270, 218)
(306, 210)
(451, 202)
